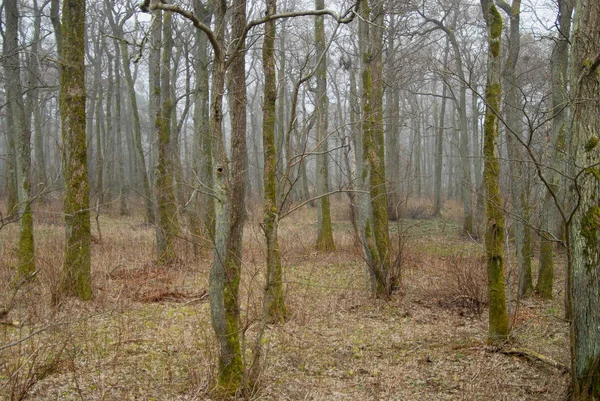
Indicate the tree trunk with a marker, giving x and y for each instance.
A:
(392, 137)
(512, 110)
(202, 135)
(119, 134)
(550, 217)
(274, 295)
(585, 225)
(325, 233)
(167, 227)
(498, 329)
(76, 278)
(439, 145)
(229, 188)
(373, 206)
(22, 139)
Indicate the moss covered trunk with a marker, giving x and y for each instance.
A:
(167, 227)
(22, 138)
(274, 296)
(514, 131)
(550, 216)
(373, 206)
(585, 224)
(325, 232)
(76, 277)
(498, 329)
(229, 188)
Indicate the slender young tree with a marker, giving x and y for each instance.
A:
(76, 278)
(498, 329)
(584, 290)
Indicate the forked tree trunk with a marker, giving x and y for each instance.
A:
(373, 206)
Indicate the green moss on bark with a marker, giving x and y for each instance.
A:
(76, 276)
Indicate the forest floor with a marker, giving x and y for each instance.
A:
(146, 335)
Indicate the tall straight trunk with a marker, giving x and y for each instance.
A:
(512, 111)
(22, 139)
(585, 224)
(11, 163)
(416, 148)
(274, 297)
(134, 142)
(325, 232)
(99, 144)
(463, 140)
(439, 145)
(282, 136)
(480, 207)
(119, 133)
(202, 134)
(392, 134)
(33, 107)
(498, 328)
(550, 218)
(373, 206)
(167, 227)
(76, 277)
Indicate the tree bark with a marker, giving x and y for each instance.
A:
(325, 233)
(512, 111)
(498, 329)
(550, 217)
(167, 227)
(22, 139)
(585, 224)
(373, 206)
(76, 278)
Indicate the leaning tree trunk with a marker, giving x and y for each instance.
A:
(76, 278)
(274, 295)
(585, 225)
(22, 136)
(325, 233)
(498, 329)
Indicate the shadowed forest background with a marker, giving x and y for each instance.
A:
(283, 199)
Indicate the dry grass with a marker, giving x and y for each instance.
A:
(147, 335)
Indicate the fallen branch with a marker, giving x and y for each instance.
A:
(535, 356)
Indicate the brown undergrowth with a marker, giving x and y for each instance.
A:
(146, 334)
